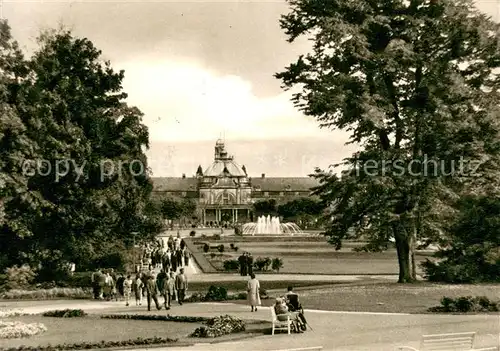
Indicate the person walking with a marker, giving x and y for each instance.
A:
(119, 286)
(243, 264)
(95, 283)
(179, 256)
(186, 257)
(138, 288)
(169, 289)
(253, 290)
(152, 292)
(127, 288)
(161, 278)
(181, 285)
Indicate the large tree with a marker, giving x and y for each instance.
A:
(83, 170)
(414, 84)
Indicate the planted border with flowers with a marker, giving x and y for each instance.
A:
(12, 313)
(219, 326)
(99, 345)
(167, 318)
(15, 330)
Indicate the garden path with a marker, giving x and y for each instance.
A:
(334, 330)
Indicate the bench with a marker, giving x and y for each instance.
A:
(280, 325)
(314, 348)
(443, 342)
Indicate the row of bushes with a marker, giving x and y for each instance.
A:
(65, 313)
(97, 345)
(221, 248)
(47, 294)
(466, 304)
(261, 264)
(163, 318)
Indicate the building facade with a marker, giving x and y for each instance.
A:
(225, 193)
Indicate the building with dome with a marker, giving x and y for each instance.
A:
(225, 193)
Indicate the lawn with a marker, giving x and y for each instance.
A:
(387, 297)
(93, 329)
(241, 285)
(314, 256)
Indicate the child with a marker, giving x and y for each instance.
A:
(127, 289)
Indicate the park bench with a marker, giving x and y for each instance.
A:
(447, 342)
(314, 348)
(280, 325)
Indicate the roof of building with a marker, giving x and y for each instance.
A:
(217, 169)
(174, 184)
(284, 183)
(265, 184)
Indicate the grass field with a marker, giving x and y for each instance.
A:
(92, 329)
(386, 297)
(314, 256)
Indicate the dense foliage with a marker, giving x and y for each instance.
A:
(415, 84)
(67, 313)
(74, 180)
(466, 304)
(472, 252)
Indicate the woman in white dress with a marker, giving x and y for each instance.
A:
(253, 288)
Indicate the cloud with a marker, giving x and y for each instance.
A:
(184, 101)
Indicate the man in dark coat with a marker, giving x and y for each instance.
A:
(179, 256)
(249, 264)
(243, 264)
(152, 292)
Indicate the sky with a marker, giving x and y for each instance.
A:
(199, 71)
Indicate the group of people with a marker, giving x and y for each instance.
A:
(246, 264)
(288, 306)
(110, 286)
(172, 256)
(166, 284)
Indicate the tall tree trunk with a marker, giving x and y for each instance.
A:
(404, 247)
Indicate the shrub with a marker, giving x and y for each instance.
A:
(276, 264)
(47, 294)
(231, 246)
(98, 345)
(65, 313)
(237, 231)
(236, 248)
(219, 326)
(221, 248)
(149, 317)
(466, 304)
(206, 248)
(216, 293)
(192, 233)
(231, 265)
(471, 256)
(262, 264)
(19, 277)
(217, 236)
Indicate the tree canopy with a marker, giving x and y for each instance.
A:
(415, 84)
(74, 174)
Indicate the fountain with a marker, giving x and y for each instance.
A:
(270, 226)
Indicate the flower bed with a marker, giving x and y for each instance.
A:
(65, 313)
(14, 330)
(11, 313)
(466, 304)
(219, 326)
(47, 294)
(101, 345)
(167, 318)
